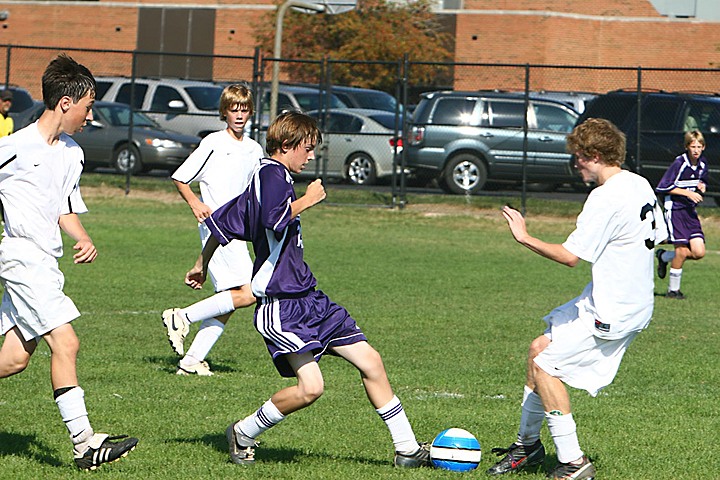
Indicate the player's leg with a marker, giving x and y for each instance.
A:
(210, 329)
(90, 449)
(682, 252)
(697, 248)
(15, 353)
(527, 450)
(241, 435)
(409, 453)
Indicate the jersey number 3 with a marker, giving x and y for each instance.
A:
(647, 214)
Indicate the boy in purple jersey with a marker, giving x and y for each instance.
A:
(683, 185)
(298, 322)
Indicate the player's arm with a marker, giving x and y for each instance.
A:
(314, 194)
(695, 197)
(199, 209)
(86, 251)
(191, 277)
(553, 251)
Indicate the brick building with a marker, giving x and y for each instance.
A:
(550, 32)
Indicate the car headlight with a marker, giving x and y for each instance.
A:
(163, 143)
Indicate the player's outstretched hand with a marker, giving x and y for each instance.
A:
(516, 222)
(195, 278)
(86, 252)
(315, 192)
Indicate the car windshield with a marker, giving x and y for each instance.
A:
(386, 120)
(376, 101)
(119, 116)
(205, 98)
(311, 101)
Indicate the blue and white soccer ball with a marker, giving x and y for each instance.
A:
(455, 449)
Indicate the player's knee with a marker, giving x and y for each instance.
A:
(537, 346)
(311, 391)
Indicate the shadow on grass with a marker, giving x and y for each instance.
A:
(27, 446)
(169, 364)
(276, 455)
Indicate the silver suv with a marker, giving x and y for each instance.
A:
(185, 106)
(466, 139)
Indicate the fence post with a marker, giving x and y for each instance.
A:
(638, 161)
(133, 74)
(257, 112)
(402, 91)
(523, 194)
(7, 66)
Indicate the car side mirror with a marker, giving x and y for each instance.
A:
(177, 106)
(96, 124)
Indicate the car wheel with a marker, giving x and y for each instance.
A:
(361, 169)
(464, 173)
(127, 158)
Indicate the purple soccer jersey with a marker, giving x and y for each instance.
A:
(682, 174)
(279, 269)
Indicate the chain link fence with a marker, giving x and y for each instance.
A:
(181, 92)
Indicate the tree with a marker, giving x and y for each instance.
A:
(358, 42)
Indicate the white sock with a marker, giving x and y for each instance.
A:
(206, 337)
(675, 278)
(667, 256)
(564, 435)
(73, 412)
(215, 306)
(264, 418)
(397, 422)
(531, 418)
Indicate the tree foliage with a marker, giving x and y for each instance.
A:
(364, 46)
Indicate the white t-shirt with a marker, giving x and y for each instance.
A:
(222, 165)
(38, 183)
(617, 230)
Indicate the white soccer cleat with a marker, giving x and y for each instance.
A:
(177, 329)
(200, 368)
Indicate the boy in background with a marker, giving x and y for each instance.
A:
(683, 186)
(222, 164)
(40, 169)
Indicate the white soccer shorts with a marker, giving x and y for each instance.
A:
(576, 356)
(230, 265)
(33, 299)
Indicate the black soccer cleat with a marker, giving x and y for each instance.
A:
(517, 457)
(242, 448)
(662, 265)
(571, 471)
(105, 449)
(421, 458)
(675, 294)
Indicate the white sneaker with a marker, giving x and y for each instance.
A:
(201, 368)
(177, 328)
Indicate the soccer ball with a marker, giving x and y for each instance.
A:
(455, 449)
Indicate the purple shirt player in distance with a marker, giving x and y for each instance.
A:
(299, 324)
(683, 186)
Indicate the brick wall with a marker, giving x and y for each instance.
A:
(625, 8)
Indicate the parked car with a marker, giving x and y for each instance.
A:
(664, 119)
(294, 97)
(577, 100)
(358, 145)
(105, 140)
(466, 139)
(185, 106)
(355, 97)
(22, 101)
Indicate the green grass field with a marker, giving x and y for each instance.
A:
(442, 291)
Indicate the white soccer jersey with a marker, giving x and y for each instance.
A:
(617, 230)
(222, 165)
(38, 183)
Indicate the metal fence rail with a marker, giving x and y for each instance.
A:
(22, 66)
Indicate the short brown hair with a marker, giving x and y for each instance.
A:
(235, 95)
(693, 135)
(289, 130)
(597, 137)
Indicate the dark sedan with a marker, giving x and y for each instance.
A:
(105, 140)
